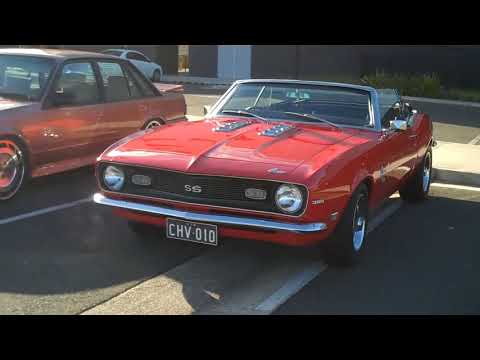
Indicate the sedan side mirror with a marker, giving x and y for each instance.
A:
(399, 125)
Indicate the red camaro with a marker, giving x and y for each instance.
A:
(284, 161)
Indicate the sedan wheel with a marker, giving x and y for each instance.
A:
(12, 169)
(157, 77)
(153, 124)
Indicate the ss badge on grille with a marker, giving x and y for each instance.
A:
(142, 180)
(255, 194)
(193, 188)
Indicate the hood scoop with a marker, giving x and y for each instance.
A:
(232, 126)
(276, 130)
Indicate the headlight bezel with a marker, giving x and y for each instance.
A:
(299, 199)
(120, 173)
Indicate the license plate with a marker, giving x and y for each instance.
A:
(189, 231)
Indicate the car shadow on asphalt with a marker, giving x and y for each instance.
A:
(423, 260)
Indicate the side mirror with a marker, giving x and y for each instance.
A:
(206, 109)
(398, 125)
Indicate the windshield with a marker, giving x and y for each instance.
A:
(24, 77)
(299, 102)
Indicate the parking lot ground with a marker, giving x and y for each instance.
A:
(62, 254)
(424, 260)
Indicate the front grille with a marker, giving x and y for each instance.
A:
(215, 190)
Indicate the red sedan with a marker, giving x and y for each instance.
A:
(60, 109)
(290, 162)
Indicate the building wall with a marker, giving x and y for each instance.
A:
(274, 61)
(203, 60)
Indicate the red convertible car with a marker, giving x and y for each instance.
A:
(60, 109)
(291, 162)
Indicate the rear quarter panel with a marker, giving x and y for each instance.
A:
(170, 107)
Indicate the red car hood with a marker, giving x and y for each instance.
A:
(195, 147)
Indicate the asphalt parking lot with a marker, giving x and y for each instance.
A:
(62, 254)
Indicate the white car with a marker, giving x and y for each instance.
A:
(144, 64)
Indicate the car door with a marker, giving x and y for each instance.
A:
(141, 62)
(72, 112)
(122, 113)
(398, 148)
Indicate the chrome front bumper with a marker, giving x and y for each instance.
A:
(217, 219)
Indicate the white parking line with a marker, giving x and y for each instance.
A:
(475, 141)
(451, 186)
(44, 211)
(291, 287)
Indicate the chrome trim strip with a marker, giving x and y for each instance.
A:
(374, 111)
(218, 219)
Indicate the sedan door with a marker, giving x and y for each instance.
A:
(398, 149)
(123, 115)
(68, 124)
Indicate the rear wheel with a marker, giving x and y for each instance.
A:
(153, 124)
(157, 76)
(12, 168)
(346, 245)
(418, 187)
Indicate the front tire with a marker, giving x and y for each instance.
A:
(417, 188)
(346, 246)
(13, 168)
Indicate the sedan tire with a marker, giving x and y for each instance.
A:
(13, 168)
(157, 76)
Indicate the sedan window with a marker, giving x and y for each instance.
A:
(136, 56)
(114, 82)
(77, 83)
(24, 77)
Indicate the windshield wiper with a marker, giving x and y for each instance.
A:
(243, 112)
(313, 117)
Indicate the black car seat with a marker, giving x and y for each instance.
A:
(117, 89)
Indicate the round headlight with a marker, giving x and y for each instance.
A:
(114, 178)
(289, 199)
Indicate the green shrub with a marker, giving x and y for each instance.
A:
(426, 85)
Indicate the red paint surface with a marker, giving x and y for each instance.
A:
(330, 162)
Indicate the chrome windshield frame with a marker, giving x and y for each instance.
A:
(374, 110)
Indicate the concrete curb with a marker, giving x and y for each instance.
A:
(456, 177)
(443, 102)
(456, 164)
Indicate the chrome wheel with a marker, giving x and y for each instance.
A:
(12, 169)
(153, 124)
(427, 171)
(359, 222)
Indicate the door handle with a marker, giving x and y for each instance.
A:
(413, 136)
